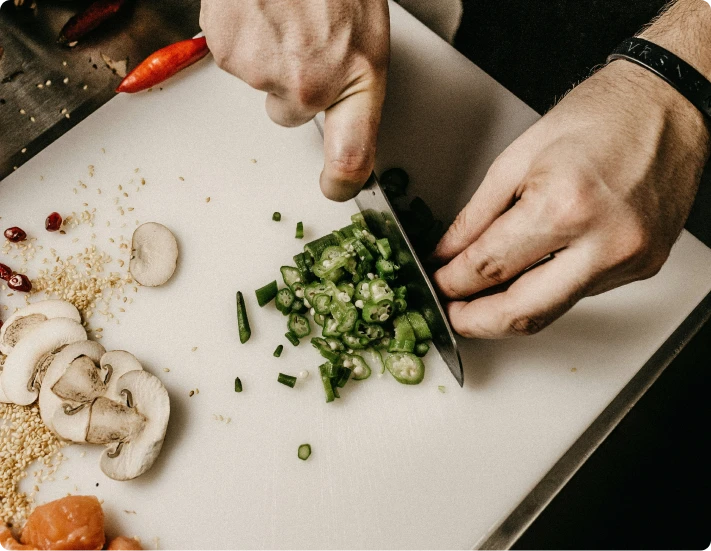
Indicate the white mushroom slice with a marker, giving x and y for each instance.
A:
(3, 398)
(113, 422)
(22, 322)
(50, 403)
(22, 372)
(71, 422)
(134, 457)
(82, 382)
(154, 254)
(118, 363)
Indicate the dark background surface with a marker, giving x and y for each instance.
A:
(647, 486)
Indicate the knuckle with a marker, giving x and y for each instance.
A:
(461, 227)
(526, 324)
(572, 209)
(488, 268)
(352, 166)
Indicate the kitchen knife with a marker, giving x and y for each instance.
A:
(379, 214)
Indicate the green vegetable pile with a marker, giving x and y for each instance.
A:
(347, 284)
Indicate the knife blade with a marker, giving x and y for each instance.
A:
(380, 216)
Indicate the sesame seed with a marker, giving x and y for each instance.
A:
(207, 199)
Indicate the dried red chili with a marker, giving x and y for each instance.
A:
(89, 19)
(163, 64)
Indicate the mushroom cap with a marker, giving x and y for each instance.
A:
(154, 254)
(121, 362)
(49, 402)
(22, 362)
(16, 327)
(138, 454)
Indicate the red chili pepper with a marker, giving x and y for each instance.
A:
(163, 64)
(87, 20)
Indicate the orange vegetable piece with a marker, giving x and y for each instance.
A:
(73, 522)
(7, 541)
(123, 543)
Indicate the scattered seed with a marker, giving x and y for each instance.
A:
(207, 199)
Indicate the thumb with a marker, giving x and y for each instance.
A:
(350, 135)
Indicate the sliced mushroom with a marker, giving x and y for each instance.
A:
(117, 363)
(71, 422)
(28, 318)
(113, 422)
(137, 454)
(22, 374)
(49, 402)
(82, 382)
(154, 254)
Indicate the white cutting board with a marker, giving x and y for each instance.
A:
(392, 466)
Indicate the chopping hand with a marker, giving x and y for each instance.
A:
(309, 57)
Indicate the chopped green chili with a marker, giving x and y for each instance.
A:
(242, 321)
(293, 339)
(304, 452)
(299, 230)
(267, 293)
(276, 216)
(288, 380)
(421, 349)
(278, 351)
(238, 385)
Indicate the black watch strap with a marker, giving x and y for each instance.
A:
(677, 72)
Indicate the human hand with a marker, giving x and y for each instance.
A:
(310, 57)
(604, 181)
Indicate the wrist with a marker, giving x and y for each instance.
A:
(683, 122)
(685, 30)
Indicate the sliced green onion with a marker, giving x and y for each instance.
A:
(293, 339)
(278, 351)
(304, 452)
(242, 321)
(267, 293)
(299, 230)
(288, 380)
(276, 216)
(238, 385)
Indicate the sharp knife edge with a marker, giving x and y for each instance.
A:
(378, 212)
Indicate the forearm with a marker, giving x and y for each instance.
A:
(684, 28)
